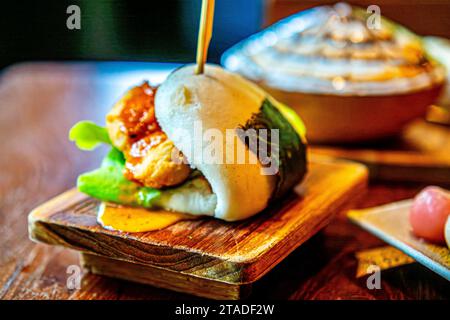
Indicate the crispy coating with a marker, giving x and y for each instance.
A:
(151, 158)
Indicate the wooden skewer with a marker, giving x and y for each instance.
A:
(204, 34)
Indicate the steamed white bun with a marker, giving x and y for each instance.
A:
(218, 100)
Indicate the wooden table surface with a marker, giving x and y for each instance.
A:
(38, 105)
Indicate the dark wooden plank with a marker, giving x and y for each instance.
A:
(420, 154)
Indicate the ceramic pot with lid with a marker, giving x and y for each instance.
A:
(349, 80)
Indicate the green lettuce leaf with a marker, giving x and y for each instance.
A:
(291, 158)
(108, 183)
(87, 135)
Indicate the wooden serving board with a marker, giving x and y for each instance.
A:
(205, 257)
(420, 154)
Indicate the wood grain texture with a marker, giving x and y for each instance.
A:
(234, 253)
(39, 103)
(421, 154)
(163, 278)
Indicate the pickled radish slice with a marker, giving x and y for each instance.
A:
(429, 213)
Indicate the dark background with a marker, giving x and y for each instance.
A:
(166, 30)
(120, 30)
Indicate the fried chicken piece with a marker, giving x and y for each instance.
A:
(151, 158)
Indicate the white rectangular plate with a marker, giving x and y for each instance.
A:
(391, 224)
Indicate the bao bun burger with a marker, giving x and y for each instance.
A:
(350, 75)
(154, 161)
